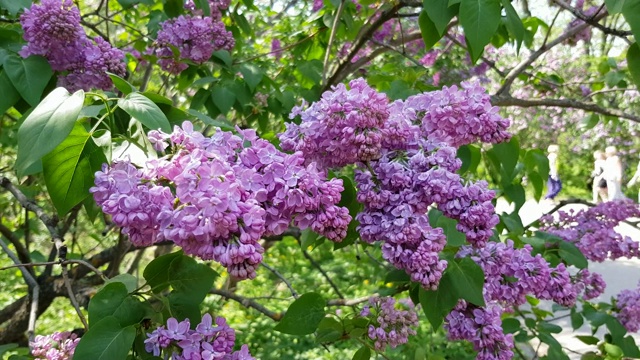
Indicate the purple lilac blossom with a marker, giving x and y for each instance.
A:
(57, 346)
(216, 197)
(584, 34)
(195, 38)
(591, 285)
(628, 309)
(52, 29)
(215, 7)
(482, 326)
(342, 128)
(388, 325)
(593, 230)
(209, 340)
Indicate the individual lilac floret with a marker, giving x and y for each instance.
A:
(194, 38)
(216, 197)
(52, 29)
(482, 326)
(342, 128)
(628, 305)
(208, 341)
(57, 346)
(389, 326)
(593, 230)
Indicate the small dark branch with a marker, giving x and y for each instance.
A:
(401, 52)
(146, 77)
(72, 297)
(136, 260)
(122, 247)
(292, 231)
(332, 37)
(248, 303)
(588, 19)
(283, 48)
(95, 29)
(522, 66)
(324, 273)
(21, 251)
(276, 273)
(350, 302)
(35, 291)
(491, 63)
(69, 261)
(502, 100)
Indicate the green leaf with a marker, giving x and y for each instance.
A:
(572, 255)
(223, 98)
(589, 340)
(10, 95)
(428, 29)
(113, 300)
(510, 325)
(589, 121)
(106, 340)
(364, 353)
(308, 238)
(224, 56)
(252, 75)
(514, 23)
(29, 76)
(69, 168)
(189, 277)
(329, 330)
(467, 279)
(576, 319)
(507, 153)
(182, 306)
(480, 20)
(470, 157)
(633, 62)
(47, 126)
(437, 304)
(222, 123)
(548, 327)
(614, 6)
(454, 237)
(303, 316)
(515, 193)
(631, 13)
(128, 280)
(121, 84)
(157, 271)
(6, 347)
(440, 13)
(145, 111)
(613, 350)
(14, 6)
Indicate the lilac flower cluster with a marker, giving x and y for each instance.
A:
(52, 29)
(628, 305)
(389, 326)
(585, 34)
(593, 230)
(482, 326)
(216, 7)
(207, 341)
(511, 274)
(195, 38)
(590, 284)
(57, 346)
(216, 197)
(342, 128)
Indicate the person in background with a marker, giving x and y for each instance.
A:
(635, 179)
(554, 185)
(613, 174)
(599, 182)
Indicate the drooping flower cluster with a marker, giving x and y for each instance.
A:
(208, 341)
(389, 326)
(215, 7)
(342, 128)
(511, 274)
(52, 29)
(57, 346)
(593, 230)
(482, 326)
(216, 197)
(194, 38)
(590, 284)
(628, 307)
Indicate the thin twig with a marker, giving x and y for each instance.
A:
(247, 303)
(68, 261)
(332, 36)
(324, 273)
(276, 273)
(35, 290)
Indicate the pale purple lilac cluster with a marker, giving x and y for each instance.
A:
(216, 197)
(194, 37)
(482, 326)
(389, 326)
(215, 6)
(56, 346)
(591, 285)
(584, 34)
(342, 128)
(52, 29)
(208, 341)
(593, 230)
(628, 309)
(513, 273)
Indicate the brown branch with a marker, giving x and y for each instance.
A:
(577, 13)
(332, 37)
(21, 251)
(561, 103)
(294, 293)
(275, 316)
(324, 273)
